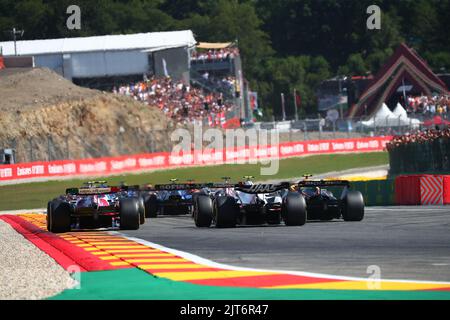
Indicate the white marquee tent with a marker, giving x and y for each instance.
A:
(386, 118)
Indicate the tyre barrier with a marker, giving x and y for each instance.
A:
(422, 190)
(376, 192)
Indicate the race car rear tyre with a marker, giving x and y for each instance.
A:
(225, 212)
(58, 216)
(151, 206)
(129, 214)
(141, 210)
(203, 211)
(294, 209)
(353, 209)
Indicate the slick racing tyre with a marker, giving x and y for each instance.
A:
(141, 209)
(203, 211)
(129, 214)
(58, 216)
(225, 212)
(294, 209)
(151, 206)
(353, 208)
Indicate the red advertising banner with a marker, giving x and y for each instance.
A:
(166, 160)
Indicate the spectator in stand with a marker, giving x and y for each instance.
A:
(428, 105)
(425, 136)
(215, 55)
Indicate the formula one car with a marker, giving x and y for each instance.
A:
(170, 199)
(246, 203)
(95, 205)
(322, 204)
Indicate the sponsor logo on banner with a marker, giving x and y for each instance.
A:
(166, 160)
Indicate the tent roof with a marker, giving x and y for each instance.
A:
(151, 40)
(211, 45)
(399, 111)
(386, 118)
(404, 64)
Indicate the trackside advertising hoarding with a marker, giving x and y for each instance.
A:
(167, 160)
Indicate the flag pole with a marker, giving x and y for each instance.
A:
(283, 110)
(295, 105)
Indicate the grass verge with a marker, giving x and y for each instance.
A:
(36, 194)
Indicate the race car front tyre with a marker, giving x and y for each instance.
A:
(58, 216)
(353, 209)
(203, 211)
(225, 212)
(151, 206)
(129, 214)
(294, 209)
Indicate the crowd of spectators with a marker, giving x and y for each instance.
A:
(422, 137)
(179, 101)
(214, 55)
(428, 105)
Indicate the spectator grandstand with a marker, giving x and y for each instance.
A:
(179, 101)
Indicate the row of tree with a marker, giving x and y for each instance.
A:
(285, 44)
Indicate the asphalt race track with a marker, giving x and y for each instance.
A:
(404, 242)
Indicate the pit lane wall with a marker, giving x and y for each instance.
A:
(167, 160)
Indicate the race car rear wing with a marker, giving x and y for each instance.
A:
(324, 183)
(262, 188)
(179, 186)
(87, 191)
(130, 188)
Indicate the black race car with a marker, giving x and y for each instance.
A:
(170, 199)
(322, 204)
(245, 203)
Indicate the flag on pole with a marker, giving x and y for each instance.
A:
(298, 100)
(166, 73)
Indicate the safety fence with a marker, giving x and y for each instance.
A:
(166, 160)
(418, 157)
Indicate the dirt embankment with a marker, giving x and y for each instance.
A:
(46, 117)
